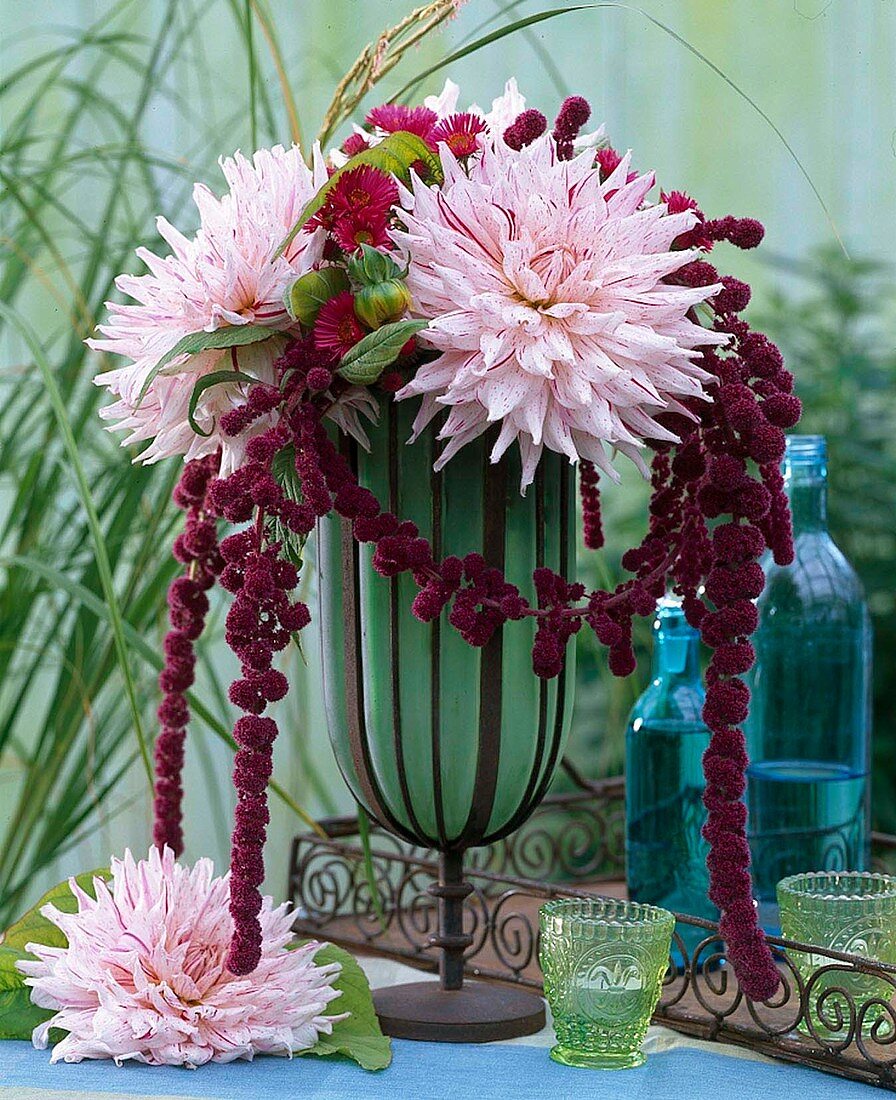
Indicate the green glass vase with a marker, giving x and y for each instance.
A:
(445, 745)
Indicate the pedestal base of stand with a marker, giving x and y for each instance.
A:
(476, 1013)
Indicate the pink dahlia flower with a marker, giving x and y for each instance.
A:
(227, 274)
(143, 976)
(544, 292)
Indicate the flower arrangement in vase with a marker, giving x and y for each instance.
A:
(518, 299)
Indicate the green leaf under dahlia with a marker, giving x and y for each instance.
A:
(359, 1036)
(367, 360)
(18, 1015)
(307, 294)
(232, 336)
(395, 155)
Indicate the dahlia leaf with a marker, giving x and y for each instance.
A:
(395, 155)
(216, 378)
(232, 336)
(34, 927)
(359, 1036)
(367, 360)
(18, 1016)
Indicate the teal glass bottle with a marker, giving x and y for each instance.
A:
(809, 728)
(664, 746)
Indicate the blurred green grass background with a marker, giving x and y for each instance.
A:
(110, 111)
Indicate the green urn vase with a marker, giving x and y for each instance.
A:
(445, 745)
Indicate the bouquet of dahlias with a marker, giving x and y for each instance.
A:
(508, 276)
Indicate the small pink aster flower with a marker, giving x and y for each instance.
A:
(543, 287)
(143, 975)
(460, 132)
(337, 327)
(227, 274)
(354, 144)
(392, 117)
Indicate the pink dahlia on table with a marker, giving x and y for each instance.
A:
(544, 288)
(143, 977)
(227, 274)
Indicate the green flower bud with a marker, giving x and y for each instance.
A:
(382, 303)
(372, 267)
(307, 294)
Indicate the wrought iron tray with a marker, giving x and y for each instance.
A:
(572, 847)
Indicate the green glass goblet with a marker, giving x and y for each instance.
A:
(849, 911)
(603, 962)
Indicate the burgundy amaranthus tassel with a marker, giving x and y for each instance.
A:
(590, 493)
(197, 548)
(525, 128)
(260, 623)
(573, 114)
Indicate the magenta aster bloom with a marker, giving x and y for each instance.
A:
(337, 327)
(460, 133)
(143, 976)
(226, 275)
(543, 287)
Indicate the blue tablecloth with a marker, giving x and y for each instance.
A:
(423, 1071)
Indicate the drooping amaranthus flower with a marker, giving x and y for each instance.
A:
(197, 548)
(144, 977)
(556, 322)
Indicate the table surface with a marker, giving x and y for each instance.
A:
(677, 1068)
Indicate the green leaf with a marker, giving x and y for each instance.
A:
(359, 1036)
(394, 155)
(18, 1015)
(216, 378)
(33, 927)
(284, 470)
(232, 336)
(367, 360)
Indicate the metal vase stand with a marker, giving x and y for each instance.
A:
(448, 746)
(485, 926)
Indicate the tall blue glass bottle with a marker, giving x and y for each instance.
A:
(809, 728)
(664, 746)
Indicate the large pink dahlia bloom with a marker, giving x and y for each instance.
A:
(227, 274)
(543, 291)
(143, 976)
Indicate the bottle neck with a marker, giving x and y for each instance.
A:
(808, 504)
(676, 655)
(805, 481)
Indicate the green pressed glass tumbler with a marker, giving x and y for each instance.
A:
(849, 911)
(603, 962)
